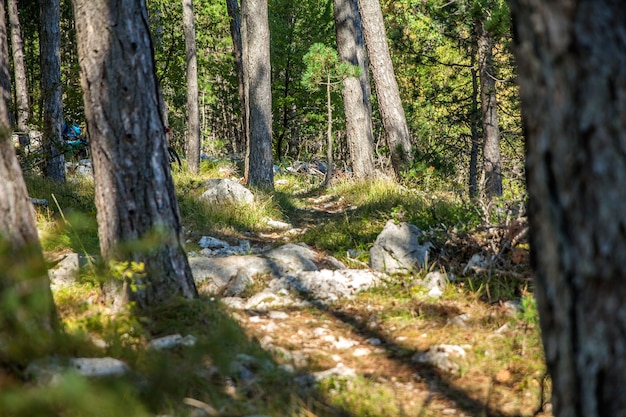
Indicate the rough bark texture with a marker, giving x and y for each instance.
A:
(387, 93)
(235, 33)
(357, 107)
(134, 190)
(24, 271)
(257, 77)
(489, 105)
(572, 75)
(51, 88)
(19, 69)
(193, 112)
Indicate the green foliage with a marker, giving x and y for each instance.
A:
(529, 313)
(72, 396)
(323, 66)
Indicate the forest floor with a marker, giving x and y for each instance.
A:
(385, 332)
(378, 344)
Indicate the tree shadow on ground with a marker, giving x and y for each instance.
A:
(225, 368)
(439, 383)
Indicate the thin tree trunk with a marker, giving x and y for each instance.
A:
(387, 93)
(138, 215)
(19, 69)
(329, 135)
(475, 119)
(5, 68)
(355, 92)
(193, 112)
(571, 58)
(489, 105)
(235, 32)
(257, 76)
(51, 89)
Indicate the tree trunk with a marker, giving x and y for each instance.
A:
(389, 103)
(329, 135)
(23, 276)
(193, 112)
(21, 88)
(235, 32)
(474, 120)
(572, 75)
(51, 89)
(134, 191)
(5, 67)
(257, 76)
(489, 106)
(355, 92)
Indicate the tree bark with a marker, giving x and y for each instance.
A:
(193, 112)
(235, 32)
(357, 107)
(24, 275)
(138, 215)
(389, 103)
(572, 76)
(489, 105)
(257, 77)
(51, 89)
(19, 69)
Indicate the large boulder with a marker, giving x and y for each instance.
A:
(226, 191)
(397, 249)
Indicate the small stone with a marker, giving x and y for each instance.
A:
(361, 352)
(277, 315)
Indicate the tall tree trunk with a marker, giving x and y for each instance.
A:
(571, 58)
(193, 112)
(475, 119)
(387, 93)
(257, 77)
(5, 67)
(489, 105)
(23, 277)
(235, 32)
(21, 88)
(351, 48)
(51, 88)
(134, 190)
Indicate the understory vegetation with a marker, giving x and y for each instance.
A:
(487, 310)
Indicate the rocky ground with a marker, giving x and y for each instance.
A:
(427, 354)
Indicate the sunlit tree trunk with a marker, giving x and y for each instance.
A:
(51, 89)
(19, 69)
(235, 32)
(571, 58)
(355, 92)
(387, 93)
(138, 215)
(257, 82)
(489, 105)
(193, 112)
